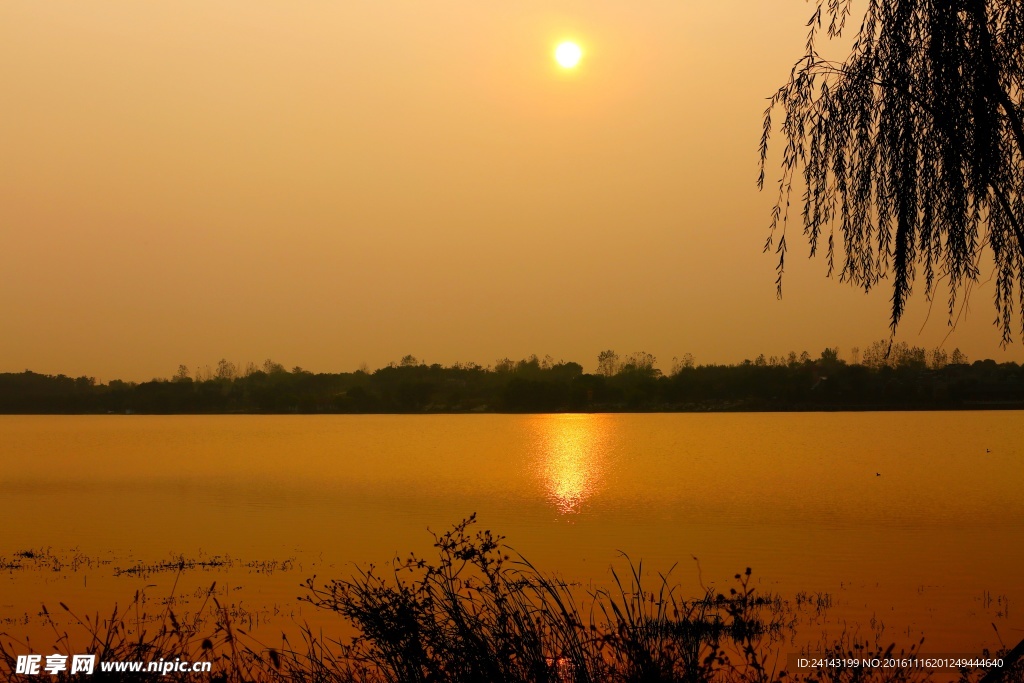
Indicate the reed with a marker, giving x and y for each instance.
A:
(478, 612)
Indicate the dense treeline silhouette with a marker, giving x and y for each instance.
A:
(885, 377)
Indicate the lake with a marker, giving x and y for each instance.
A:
(910, 522)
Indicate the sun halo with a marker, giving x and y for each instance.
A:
(568, 54)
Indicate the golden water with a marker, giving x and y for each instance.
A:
(914, 521)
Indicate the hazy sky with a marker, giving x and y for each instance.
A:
(329, 183)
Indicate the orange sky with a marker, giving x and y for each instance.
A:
(331, 183)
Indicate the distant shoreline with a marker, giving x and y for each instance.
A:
(654, 411)
(904, 380)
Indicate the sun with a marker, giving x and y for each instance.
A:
(568, 54)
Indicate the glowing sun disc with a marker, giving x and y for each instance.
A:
(568, 55)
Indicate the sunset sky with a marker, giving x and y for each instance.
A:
(336, 183)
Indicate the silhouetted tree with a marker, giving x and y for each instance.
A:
(640, 363)
(679, 364)
(529, 367)
(226, 370)
(938, 358)
(830, 357)
(607, 363)
(271, 368)
(913, 147)
(504, 365)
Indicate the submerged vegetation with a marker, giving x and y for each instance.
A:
(477, 613)
(884, 377)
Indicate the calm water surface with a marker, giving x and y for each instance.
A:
(911, 521)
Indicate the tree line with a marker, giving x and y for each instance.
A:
(884, 376)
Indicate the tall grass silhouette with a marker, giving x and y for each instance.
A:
(479, 612)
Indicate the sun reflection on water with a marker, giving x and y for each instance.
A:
(572, 458)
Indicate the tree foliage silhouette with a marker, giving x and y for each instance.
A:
(912, 147)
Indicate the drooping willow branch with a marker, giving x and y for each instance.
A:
(909, 150)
